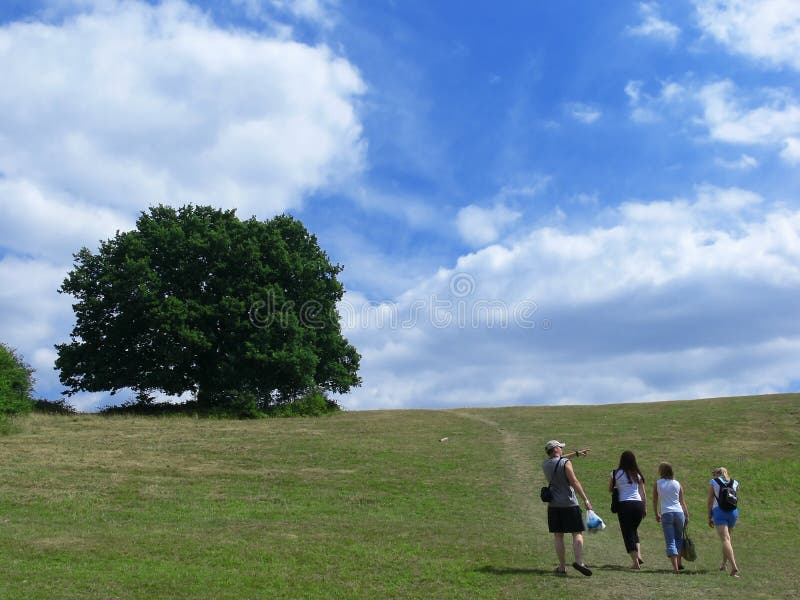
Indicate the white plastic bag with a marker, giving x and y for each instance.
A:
(593, 522)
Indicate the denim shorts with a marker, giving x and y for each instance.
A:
(725, 517)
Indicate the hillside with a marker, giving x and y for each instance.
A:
(376, 505)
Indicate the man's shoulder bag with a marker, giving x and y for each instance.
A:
(546, 494)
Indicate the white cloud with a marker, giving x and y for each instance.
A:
(321, 13)
(729, 122)
(134, 104)
(532, 186)
(32, 314)
(633, 89)
(110, 106)
(583, 112)
(50, 223)
(585, 199)
(480, 226)
(648, 108)
(669, 299)
(775, 122)
(653, 26)
(756, 117)
(744, 163)
(791, 150)
(766, 30)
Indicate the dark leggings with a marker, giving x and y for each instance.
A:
(630, 514)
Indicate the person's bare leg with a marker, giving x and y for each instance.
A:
(560, 552)
(674, 560)
(577, 547)
(634, 559)
(727, 549)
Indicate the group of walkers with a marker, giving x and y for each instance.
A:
(627, 485)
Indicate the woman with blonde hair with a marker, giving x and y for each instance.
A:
(671, 512)
(723, 517)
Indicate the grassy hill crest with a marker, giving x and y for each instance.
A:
(381, 504)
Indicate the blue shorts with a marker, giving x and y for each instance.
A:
(725, 517)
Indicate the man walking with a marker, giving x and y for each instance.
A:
(563, 511)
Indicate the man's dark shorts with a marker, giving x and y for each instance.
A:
(565, 519)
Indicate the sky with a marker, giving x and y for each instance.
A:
(535, 203)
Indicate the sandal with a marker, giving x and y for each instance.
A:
(583, 569)
(559, 571)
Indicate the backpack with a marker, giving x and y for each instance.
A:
(728, 499)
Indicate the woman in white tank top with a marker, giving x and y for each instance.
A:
(671, 512)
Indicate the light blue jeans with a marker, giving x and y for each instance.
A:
(672, 524)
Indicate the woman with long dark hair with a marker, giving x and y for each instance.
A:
(629, 480)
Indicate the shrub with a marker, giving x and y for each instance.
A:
(53, 407)
(231, 404)
(16, 383)
(312, 404)
(236, 404)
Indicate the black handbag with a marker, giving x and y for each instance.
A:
(546, 494)
(615, 496)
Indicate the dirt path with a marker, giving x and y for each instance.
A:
(524, 474)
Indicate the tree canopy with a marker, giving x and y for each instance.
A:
(16, 382)
(197, 300)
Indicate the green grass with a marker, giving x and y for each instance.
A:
(373, 505)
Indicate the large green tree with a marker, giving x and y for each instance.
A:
(16, 382)
(197, 300)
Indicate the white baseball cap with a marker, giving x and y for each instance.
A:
(553, 444)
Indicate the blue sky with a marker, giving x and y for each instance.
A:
(534, 202)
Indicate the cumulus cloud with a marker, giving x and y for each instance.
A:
(767, 117)
(136, 104)
(666, 299)
(776, 121)
(31, 312)
(765, 30)
(791, 150)
(652, 25)
(52, 224)
(110, 106)
(480, 226)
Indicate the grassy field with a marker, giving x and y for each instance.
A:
(374, 505)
